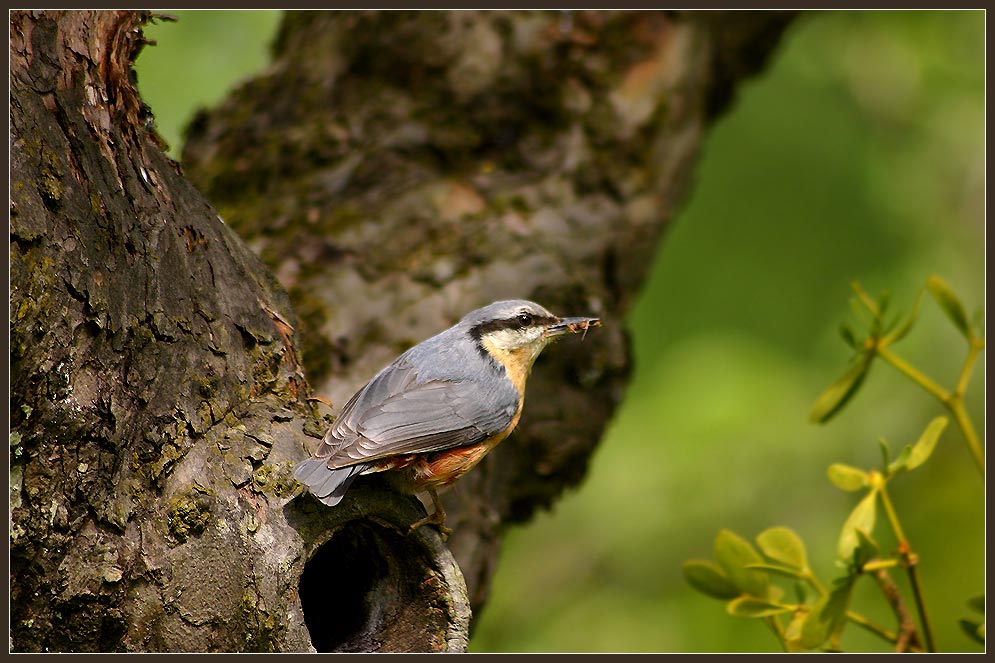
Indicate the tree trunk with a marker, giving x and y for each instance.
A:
(394, 170)
(158, 405)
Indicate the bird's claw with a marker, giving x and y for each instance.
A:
(432, 520)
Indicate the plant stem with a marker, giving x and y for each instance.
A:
(889, 510)
(775, 625)
(953, 402)
(913, 373)
(973, 350)
(927, 630)
(907, 637)
(864, 622)
(910, 561)
(957, 409)
(812, 580)
(874, 565)
(956, 404)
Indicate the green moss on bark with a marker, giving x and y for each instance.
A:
(189, 513)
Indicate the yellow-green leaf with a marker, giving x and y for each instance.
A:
(903, 330)
(827, 616)
(926, 443)
(866, 550)
(846, 477)
(781, 544)
(777, 569)
(950, 304)
(885, 452)
(977, 603)
(836, 396)
(709, 579)
(901, 463)
(848, 336)
(793, 632)
(733, 553)
(866, 299)
(862, 518)
(749, 606)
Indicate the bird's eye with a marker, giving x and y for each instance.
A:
(525, 318)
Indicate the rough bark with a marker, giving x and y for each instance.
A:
(398, 169)
(157, 403)
(394, 170)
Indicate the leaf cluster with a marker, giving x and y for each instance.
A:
(744, 576)
(848, 478)
(751, 579)
(882, 331)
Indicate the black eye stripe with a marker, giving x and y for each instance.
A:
(516, 322)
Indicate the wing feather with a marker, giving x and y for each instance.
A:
(396, 413)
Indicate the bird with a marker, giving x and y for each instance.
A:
(435, 411)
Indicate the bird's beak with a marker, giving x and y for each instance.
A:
(572, 325)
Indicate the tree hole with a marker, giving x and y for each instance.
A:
(370, 588)
(337, 586)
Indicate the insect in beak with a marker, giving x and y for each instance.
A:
(572, 326)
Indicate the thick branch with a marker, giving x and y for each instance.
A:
(398, 169)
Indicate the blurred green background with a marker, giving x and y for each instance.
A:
(857, 154)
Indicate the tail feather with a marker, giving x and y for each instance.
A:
(328, 485)
(310, 470)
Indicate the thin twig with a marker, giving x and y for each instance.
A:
(907, 636)
(976, 345)
(778, 629)
(864, 622)
(909, 561)
(913, 373)
(913, 571)
(956, 407)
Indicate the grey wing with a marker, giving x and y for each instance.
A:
(396, 413)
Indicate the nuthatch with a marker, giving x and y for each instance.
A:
(435, 411)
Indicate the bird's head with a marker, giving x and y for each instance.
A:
(514, 332)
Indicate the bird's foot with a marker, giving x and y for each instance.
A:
(437, 517)
(433, 519)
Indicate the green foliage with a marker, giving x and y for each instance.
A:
(950, 303)
(709, 579)
(734, 554)
(833, 399)
(783, 545)
(846, 477)
(877, 341)
(827, 617)
(913, 456)
(866, 552)
(898, 332)
(861, 519)
(879, 334)
(750, 606)
(818, 623)
(975, 628)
